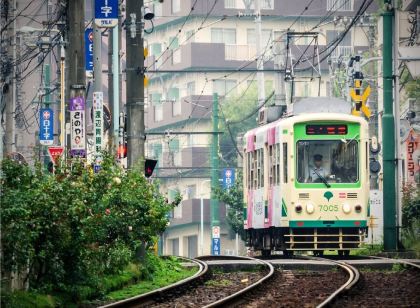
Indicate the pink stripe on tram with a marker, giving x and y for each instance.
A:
(250, 145)
(271, 136)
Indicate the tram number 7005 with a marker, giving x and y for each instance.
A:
(328, 208)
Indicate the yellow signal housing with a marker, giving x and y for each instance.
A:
(145, 52)
(145, 81)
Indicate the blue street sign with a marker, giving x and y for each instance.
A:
(46, 126)
(96, 168)
(89, 49)
(228, 178)
(106, 13)
(215, 247)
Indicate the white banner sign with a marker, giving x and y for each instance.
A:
(98, 123)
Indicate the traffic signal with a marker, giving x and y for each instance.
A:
(149, 166)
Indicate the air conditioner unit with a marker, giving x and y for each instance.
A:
(262, 116)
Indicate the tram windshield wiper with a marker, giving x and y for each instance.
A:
(324, 180)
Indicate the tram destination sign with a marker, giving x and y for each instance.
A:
(326, 129)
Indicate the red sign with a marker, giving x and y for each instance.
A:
(55, 153)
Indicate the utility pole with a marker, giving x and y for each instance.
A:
(214, 160)
(135, 83)
(388, 132)
(97, 56)
(76, 61)
(110, 82)
(9, 86)
(280, 58)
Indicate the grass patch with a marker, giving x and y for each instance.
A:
(367, 250)
(218, 283)
(24, 299)
(168, 271)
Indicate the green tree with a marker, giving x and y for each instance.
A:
(234, 199)
(73, 227)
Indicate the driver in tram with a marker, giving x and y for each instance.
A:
(317, 171)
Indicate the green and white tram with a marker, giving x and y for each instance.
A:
(306, 180)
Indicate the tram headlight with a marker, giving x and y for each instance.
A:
(310, 208)
(358, 208)
(298, 208)
(346, 208)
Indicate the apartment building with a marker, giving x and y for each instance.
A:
(191, 55)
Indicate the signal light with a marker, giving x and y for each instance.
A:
(149, 166)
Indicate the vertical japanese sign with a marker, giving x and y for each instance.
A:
(89, 49)
(413, 157)
(77, 127)
(98, 123)
(106, 13)
(46, 131)
(228, 178)
(215, 234)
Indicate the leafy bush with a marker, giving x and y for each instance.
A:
(411, 218)
(74, 227)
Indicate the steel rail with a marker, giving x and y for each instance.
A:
(354, 276)
(151, 296)
(396, 261)
(237, 296)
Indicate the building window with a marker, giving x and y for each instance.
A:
(224, 87)
(155, 49)
(190, 36)
(345, 48)
(157, 10)
(221, 35)
(340, 5)
(191, 191)
(176, 6)
(191, 88)
(239, 4)
(158, 113)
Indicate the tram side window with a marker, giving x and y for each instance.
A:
(260, 168)
(285, 162)
(271, 158)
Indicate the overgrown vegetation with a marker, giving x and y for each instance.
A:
(411, 218)
(74, 232)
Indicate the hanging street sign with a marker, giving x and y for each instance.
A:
(46, 122)
(98, 123)
(89, 49)
(362, 100)
(55, 153)
(77, 127)
(106, 13)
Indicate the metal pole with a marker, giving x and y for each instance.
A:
(397, 120)
(110, 83)
(62, 98)
(214, 204)
(260, 60)
(388, 133)
(115, 82)
(97, 56)
(135, 86)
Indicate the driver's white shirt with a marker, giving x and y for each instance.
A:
(313, 176)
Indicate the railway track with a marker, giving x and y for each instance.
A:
(152, 296)
(354, 277)
(191, 291)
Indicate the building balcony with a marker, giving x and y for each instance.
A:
(206, 55)
(169, 113)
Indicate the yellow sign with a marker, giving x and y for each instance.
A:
(361, 99)
(145, 52)
(145, 81)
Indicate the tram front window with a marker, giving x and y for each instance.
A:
(327, 161)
